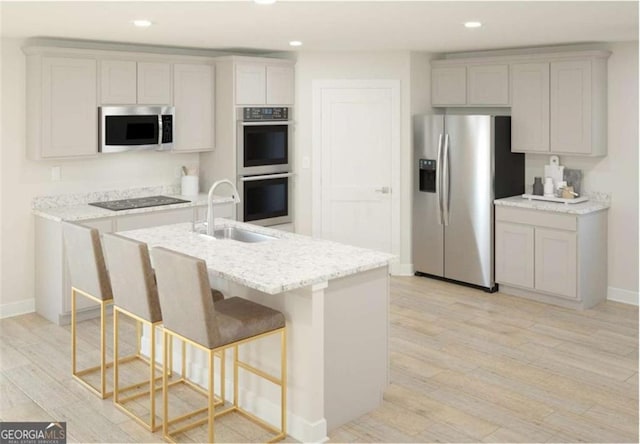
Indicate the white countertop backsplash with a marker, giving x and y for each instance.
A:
(74, 207)
(291, 261)
(597, 202)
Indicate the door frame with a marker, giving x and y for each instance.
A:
(318, 86)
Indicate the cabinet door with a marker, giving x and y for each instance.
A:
(530, 107)
(555, 262)
(69, 107)
(449, 86)
(514, 254)
(571, 107)
(488, 85)
(118, 82)
(154, 84)
(154, 219)
(280, 85)
(193, 89)
(251, 84)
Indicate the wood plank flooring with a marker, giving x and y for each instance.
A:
(466, 366)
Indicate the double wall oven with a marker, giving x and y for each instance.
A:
(264, 165)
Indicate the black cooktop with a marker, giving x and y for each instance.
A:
(138, 202)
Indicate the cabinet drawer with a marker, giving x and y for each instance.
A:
(154, 219)
(537, 218)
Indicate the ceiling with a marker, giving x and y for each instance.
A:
(328, 26)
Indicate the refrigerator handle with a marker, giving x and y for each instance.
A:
(445, 181)
(439, 166)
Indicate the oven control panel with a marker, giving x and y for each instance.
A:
(254, 114)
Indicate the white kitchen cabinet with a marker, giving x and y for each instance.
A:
(251, 84)
(570, 104)
(118, 82)
(530, 107)
(555, 262)
(552, 257)
(560, 107)
(62, 112)
(449, 86)
(259, 83)
(154, 83)
(514, 254)
(488, 85)
(279, 85)
(127, 82)
(194, 102)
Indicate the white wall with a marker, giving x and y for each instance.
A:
(23, 179)
(617, 173)
(350, 65)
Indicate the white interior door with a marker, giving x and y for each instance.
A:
(357, 142)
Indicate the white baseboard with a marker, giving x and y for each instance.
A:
(397, 269)
(17, 308)
(622, 295)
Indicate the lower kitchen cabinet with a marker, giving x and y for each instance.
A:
(52, 281)
(552, 257)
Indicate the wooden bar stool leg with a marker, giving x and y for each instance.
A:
(235, 376)
(165, 388)
(152, 379)
(103, 350)
(115, 355)
(73, 331)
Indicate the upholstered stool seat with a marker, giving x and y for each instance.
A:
(190, 314)
(89, 278)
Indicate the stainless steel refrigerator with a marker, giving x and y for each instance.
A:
(462, 163)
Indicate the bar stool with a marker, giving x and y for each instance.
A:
(191, 315)
(135, 295)
(89, 278)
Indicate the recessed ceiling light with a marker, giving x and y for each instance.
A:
(472, 24)
(264, 2)
(295, 43)
(142, 23)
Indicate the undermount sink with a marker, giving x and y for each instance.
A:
(238, 234)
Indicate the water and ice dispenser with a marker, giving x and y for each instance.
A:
(427, 170)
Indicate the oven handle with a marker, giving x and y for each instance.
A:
(267, 123)
(265, 176)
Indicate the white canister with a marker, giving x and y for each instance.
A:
(548, 187)
(190, 185)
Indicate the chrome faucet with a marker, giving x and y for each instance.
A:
(235, 196)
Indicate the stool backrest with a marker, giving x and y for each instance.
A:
(132, 278)
(185, 296)
(85, 260)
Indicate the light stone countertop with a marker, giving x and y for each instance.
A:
(274, 266)
(83, 211)
(587, 207)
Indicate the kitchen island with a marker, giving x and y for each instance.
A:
(335, 299)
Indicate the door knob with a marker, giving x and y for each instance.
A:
(383, 190)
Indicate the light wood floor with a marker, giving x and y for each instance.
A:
(466, 366)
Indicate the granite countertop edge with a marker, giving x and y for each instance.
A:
(74, 213)
(590, 206)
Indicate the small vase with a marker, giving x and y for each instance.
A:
(538, 188)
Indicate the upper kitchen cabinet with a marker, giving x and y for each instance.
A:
(449, 86)
(62, 108)
(130, 82)
(488, 85)
(578, 107)
(560, 106)
(264, 83)
(462, 84)
(530, 107)
(558, 100)
(193, 87)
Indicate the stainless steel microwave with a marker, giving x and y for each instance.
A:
(133, 127)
